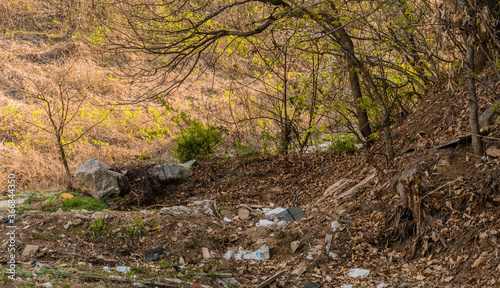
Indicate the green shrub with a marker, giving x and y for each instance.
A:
(343, 143)
(197, 140)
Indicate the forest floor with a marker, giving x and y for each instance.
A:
(80, 243)
(456, 246)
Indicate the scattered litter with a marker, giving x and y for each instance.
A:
(347, 286)
(123, 269)
(335, 225)
(271, 214)
(28, 195)
(12, 220)
(382, 285)
(357, 272)
(67, 196)
(229, 254)
(291, 214)
(201, 202)
(154, 254)
(206, 253)
(301, 268)
(270, 224)
(227, 220)
(309, 256)
(261, 254)
(316, 275)
(332, 255)
(48, 284)
(106, 269)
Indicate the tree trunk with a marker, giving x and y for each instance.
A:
(477, 146)
(64, 160)
(362, 115)
(388, 142)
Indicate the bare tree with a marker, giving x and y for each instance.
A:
(61, 101)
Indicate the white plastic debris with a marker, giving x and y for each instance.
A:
(347, 286)
(227, 220)
(264, 223)
(358, 272)
(335, 225)
(106, 269)
(261, 254)
(123, 269)
(201, 202)
(310, 256)
(271, 224)
(229, 254)
(271, 215)
(271, 205)
(48, 284)
(382, 285)
(332, 255)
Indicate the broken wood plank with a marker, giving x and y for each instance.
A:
(270, 280)
(333, 188)
(358, 186)
(328, 242)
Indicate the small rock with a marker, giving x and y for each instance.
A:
(122, 269)
(357, 272)
(66, 226)
(301, 268)
(30, 250)
(244, 214)
(169, 172)
(76, 222)
(335, 225)
(207, 210)
(227, 220)
(99, 180)
(175, 210)
(294, 246)
(493, 151)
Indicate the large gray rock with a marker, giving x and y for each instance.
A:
(488, 117)
(97, 179)
(170, 172)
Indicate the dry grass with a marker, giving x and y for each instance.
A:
(34, 55)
